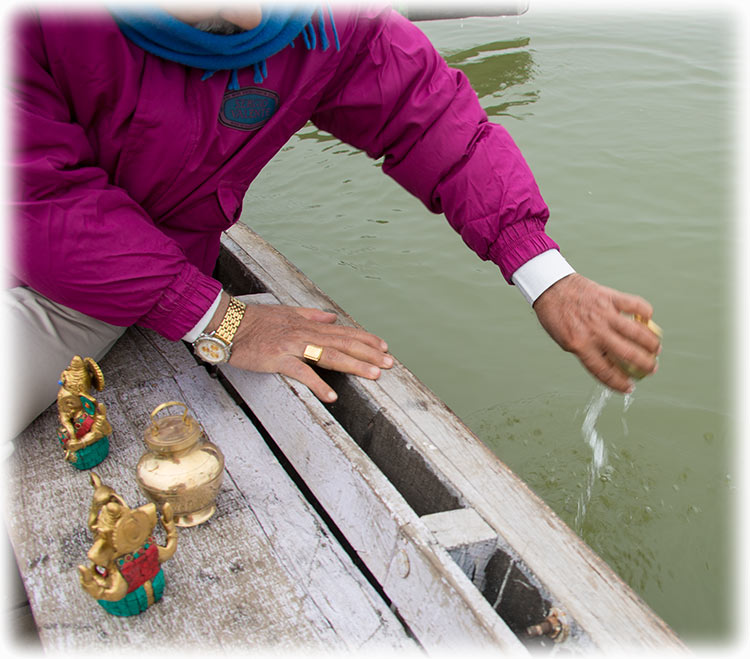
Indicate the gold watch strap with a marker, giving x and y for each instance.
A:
(231, 321)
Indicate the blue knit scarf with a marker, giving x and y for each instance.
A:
(162, 34)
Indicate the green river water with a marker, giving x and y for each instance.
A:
(627, 119)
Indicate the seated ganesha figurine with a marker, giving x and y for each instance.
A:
(125, 575)
(84, 430)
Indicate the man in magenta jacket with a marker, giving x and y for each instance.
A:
(136, 136)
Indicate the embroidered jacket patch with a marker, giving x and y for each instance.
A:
(248, 108)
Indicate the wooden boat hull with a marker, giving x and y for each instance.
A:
(526, 562)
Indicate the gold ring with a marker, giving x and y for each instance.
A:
(312, 353)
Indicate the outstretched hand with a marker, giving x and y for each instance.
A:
(589, 320)
(273, 338)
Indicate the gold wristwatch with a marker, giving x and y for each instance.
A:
(216, 347)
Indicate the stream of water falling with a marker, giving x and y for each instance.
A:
(596, 443)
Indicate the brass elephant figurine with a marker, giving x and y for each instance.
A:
(125, 574)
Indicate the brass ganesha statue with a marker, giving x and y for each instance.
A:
(83, 429)
(125, 574)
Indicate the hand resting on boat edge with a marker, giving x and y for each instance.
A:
(273, 339)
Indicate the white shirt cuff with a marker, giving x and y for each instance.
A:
(194, 333)
(538, 274)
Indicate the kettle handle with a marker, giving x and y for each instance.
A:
(164, 406)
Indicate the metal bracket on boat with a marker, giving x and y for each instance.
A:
(552, 627)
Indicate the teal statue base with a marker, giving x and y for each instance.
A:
(138, 600)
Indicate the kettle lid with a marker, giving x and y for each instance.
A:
(173, 432)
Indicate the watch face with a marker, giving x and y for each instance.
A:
(211, 350)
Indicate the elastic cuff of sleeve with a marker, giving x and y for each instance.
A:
(182, 303)
(194, 333)
(538, 274)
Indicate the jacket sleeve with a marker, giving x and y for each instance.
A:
(77, 239)
(398, 99)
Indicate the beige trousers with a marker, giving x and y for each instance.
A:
(44, 338)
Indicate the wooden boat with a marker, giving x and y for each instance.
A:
(378, 521)
(432, 12)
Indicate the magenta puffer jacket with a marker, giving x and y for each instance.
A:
(128, 167)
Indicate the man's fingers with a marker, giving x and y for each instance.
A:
(335, 360)
(341, 353)
(632, 304)
(632, 352)
(316, 315)
(301, 372)
(274, 338)
(604, 370)
(328, 318)
(352, 334)
(638, 333)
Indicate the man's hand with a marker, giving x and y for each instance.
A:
(273, 338)
(588, 320)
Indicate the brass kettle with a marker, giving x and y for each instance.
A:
(180, 466)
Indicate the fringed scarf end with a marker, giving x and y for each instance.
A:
(310, 39)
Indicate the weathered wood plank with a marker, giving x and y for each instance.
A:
(434, 597)
(469, 540)
(305, 547)
(264, 572)
(606, 612)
